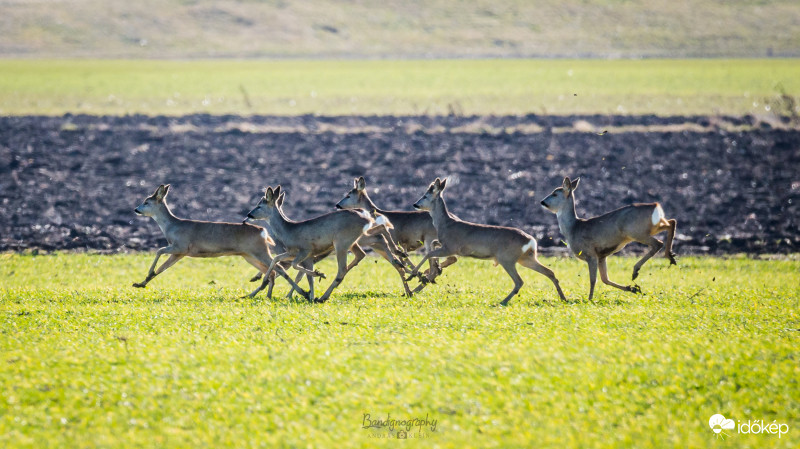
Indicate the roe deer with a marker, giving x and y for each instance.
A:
(205, 239)
(412, 229)
(596, 238)
(339, 230)
(381, 243)
(507, 246)
(278, 248)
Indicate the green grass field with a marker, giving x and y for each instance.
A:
(482, 87)
(89, 361)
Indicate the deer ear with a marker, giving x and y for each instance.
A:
(574, 184)
(566, 184)
(268, 194)
(361, 183)
(277, 191)
(162, 191)
(280, 199)
(443, 184)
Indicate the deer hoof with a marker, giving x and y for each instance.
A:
(635, 289)
(672, 259)
(319, 274)
(255, 278)
(139, 284)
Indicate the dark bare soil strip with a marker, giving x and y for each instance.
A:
(72, 182)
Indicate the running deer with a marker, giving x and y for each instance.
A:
(205, 239)
(506, 246)
(278, 248)
(381, 242)
(596, 238)
(412, 229)
(303, 240)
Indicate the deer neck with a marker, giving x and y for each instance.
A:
(439, 213)
(164, 217)
(370, 206)
(567, 218)
(279, 222)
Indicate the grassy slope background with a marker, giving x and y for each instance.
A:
(485, 87)
(89, 361)
(399, 28)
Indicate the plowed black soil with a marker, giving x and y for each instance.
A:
(72, 182)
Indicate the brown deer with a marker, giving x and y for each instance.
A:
(205, 239)
(596, 238)
(506, 246)
(412, 229)
(303, 240)
(381, 242)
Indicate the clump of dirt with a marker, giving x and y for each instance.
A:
(72, 182)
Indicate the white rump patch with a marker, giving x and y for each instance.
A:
(366, 228)
(363, 214)
(383, 221)
(266, 237)
(658, 215)
(531, 245)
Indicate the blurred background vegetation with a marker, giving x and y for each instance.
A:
(410, 29)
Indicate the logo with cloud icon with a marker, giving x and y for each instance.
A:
(719, 425)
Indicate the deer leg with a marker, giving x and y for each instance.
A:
(299, 276)
(151, 273)
(291, 282)
(447, 262)
(607, 281)
(173, 258)
(511, 269)
(438, 252)
(592, 262)
(308, 264)
(297, 264)
(261, 268)
(341, 258)
(382, 246)
(533, 263)
(382, 252)
(673, 224)
(271, 285)
(655, 246)
(395, 249)
(268, 267)
(256, 277)
(359, 255)
(297, 280)
(310, 280)
(434, 269)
